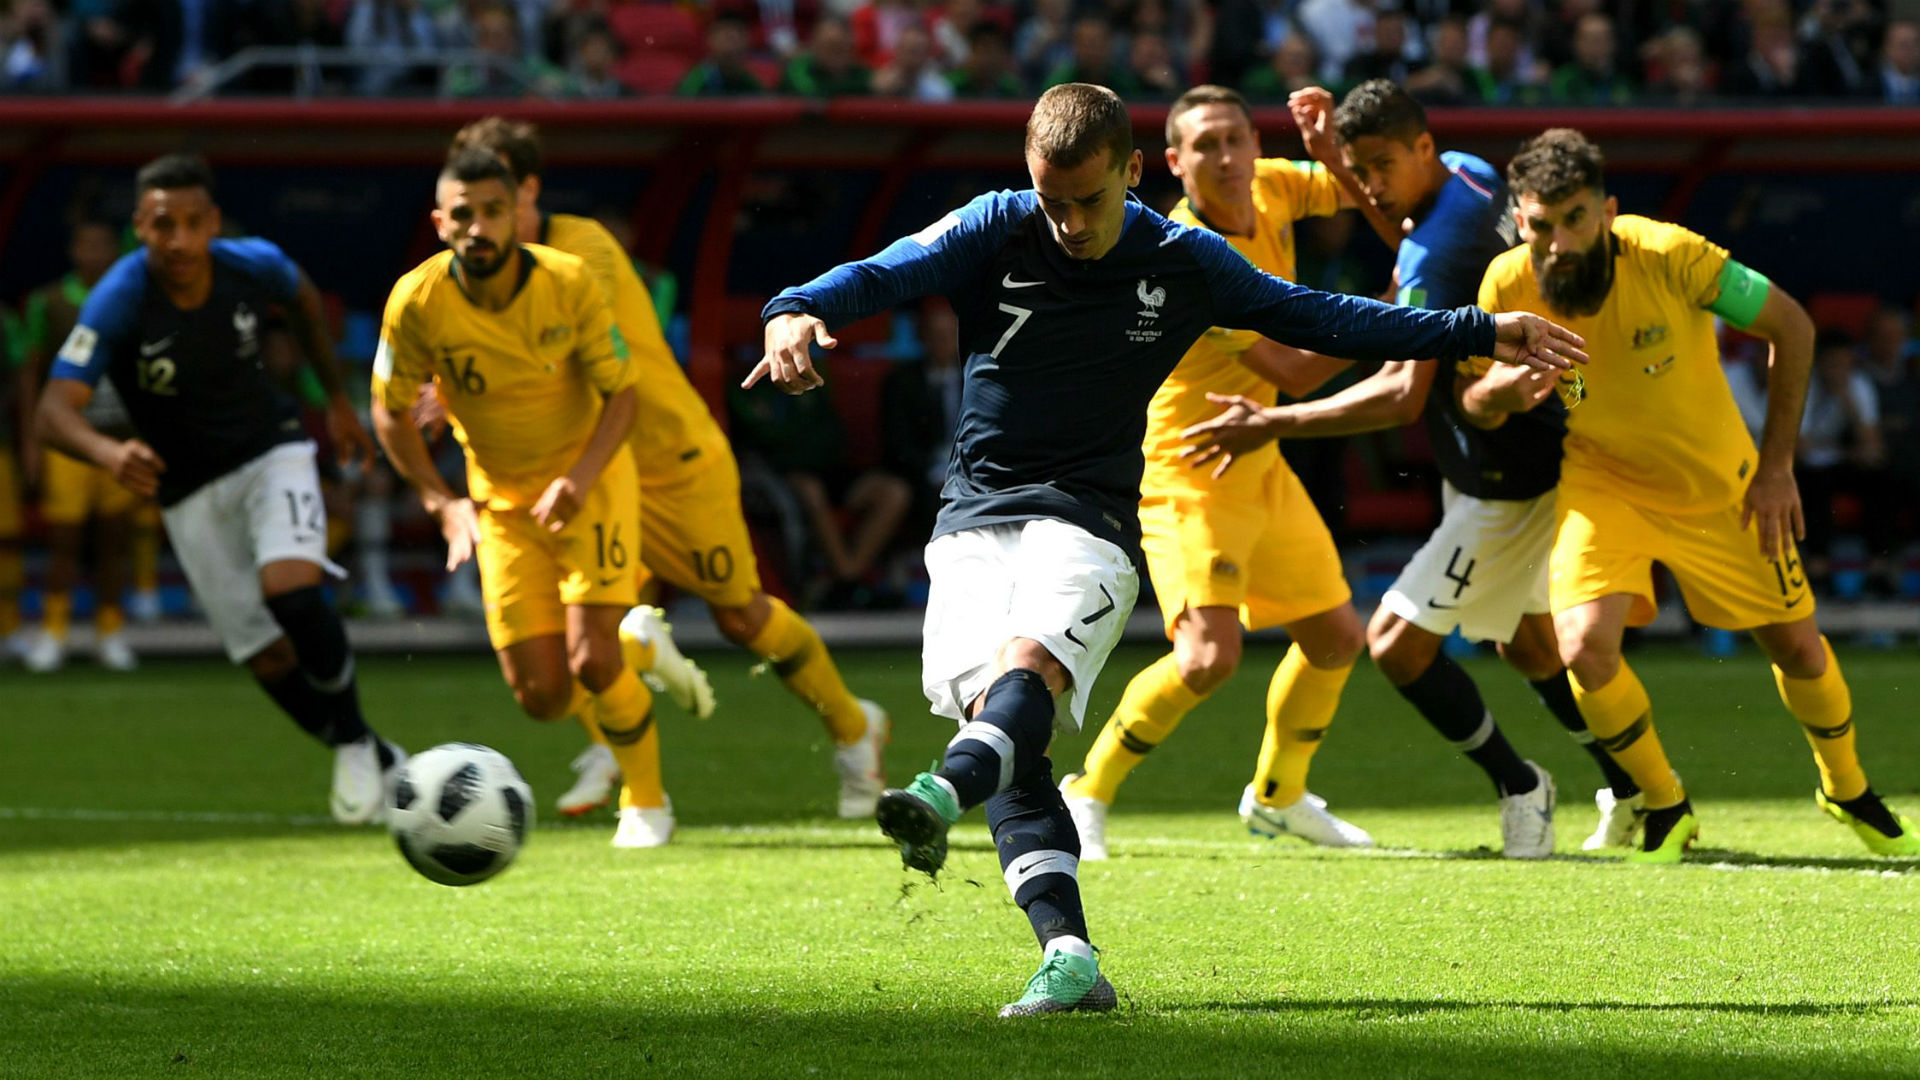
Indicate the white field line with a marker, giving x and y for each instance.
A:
(853, 831)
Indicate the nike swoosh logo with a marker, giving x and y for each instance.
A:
(1075, 640)
(1030, 865)
(604, 582)
(1169, 240)
(1796, 599)
(1441, 606)
(158, 347)
(1008, 283)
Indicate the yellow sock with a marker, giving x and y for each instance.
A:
(1155, 702)
(800, 658)
(1620, 715)
(12, 577)
(624, 712)
(638, 654)
(581, 707)
(108, 619)
(56, 613)
(146, 556)
(1301, 701)
(1824, 707)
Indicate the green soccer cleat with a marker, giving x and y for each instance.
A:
(1906, 844)
(918, 817)
(1064, 983)
(1674, 847)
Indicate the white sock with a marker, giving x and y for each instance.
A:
(948, 785)
(1071, 945)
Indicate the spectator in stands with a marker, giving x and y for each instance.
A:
(1840, 450)
(1234, 38)
(596, 53)
(1593, 76)
(1093, 60)
(1888, 358)
(397, 42)
(1837, 38)
(920, 413)
(877, 28)
(1387, 59)
(1151, 62)
(1677, 68)
(1340, 29)
(912, 71)
(1294, 67)
(30, 54)
(506, 71)
(988, 71)
(1447, 79)
(1508, 76)
(853, 513)
(724, 72)
(828, 67)
(1045, 41)
(124, 45)
(234, 25)
(1518, 15)
(1162, 18)
(1771, 65)
(1899, 76)
(952, 27)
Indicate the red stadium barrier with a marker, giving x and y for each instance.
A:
(727, 140)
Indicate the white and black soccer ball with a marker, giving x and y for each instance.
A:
(460, 813)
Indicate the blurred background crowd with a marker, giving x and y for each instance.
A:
(1450, 52)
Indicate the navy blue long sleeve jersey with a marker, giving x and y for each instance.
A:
(1064, 354)
(193, 381)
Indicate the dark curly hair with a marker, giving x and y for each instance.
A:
(1555, 164)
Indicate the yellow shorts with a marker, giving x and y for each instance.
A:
(74, 491)
(1265, 552)
(10, 522)
(694, 535)
(530, 576)
(1605, 545)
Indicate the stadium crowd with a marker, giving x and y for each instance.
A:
(1449, 52)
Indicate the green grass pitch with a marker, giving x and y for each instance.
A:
(170, 904)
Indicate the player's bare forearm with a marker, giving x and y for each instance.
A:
(1312, 109)
(616, 421)
(57, 422)
(1788, 328)
(407, 451)
(1389, 398)
(1297, 372)
(307, 318)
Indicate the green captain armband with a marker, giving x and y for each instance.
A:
(306, 385)
(1743, 292)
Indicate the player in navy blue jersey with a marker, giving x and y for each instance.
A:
(1074, 303)
(177, 326)
(1497, 440)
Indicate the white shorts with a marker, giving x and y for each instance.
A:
(1043, 580)
(267, 510)
(1480, 571)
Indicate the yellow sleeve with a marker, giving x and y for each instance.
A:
(403, 361)
(601, 350)
(1694, 264)
(1306, 187)
(1491, 301)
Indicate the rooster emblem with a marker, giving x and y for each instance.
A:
(1151, 299)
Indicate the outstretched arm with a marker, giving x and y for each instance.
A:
(306, 317)
(1295, 371)
(1312, 109)
(1389, 398)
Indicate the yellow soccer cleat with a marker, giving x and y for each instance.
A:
(1674, 847)
(1907, 844)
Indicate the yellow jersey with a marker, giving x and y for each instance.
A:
(1658, 426)
(674, 433)
(1283, 192)
(524, 385)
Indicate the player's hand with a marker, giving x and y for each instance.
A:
(351, 443)
(558, 504)
(789, 358)
(1772, 505)
(460, 527)
(1521, 338)
(137, 467)
(1241, 428)
(1312, 109)
(1511, 388)
(430, 411)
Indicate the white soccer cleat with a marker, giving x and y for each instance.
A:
(1307, 819)
(143, 606)
(1526, 820)
(644, 826)
(863, 774)
(672, 673)
(44, 653)
(359, 784)
(1619, 820)
(597, 783)
(1089, 820)
(114, 654)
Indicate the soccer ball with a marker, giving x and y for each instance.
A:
(460, 813)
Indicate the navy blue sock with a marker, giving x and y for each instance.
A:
(319, 641)
(1004, 741)
(1039, 854)
(1446, 695)
(1557, 695)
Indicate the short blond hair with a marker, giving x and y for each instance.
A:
(1073, 122)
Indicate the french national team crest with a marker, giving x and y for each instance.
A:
(246, 325)
(1151, 298)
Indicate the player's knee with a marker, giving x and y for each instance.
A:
(543, 698)
(1532, 659)
(741, 625)
(1593, 659)
(1205, 665)
(595, 663)
(1801, 658)
(1024, 654)
(1336, 646)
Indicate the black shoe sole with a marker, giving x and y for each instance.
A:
(916, 827)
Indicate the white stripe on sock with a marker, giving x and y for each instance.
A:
(1035, 863)
(996, 740)
(1479, 737)
(1071, 945)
